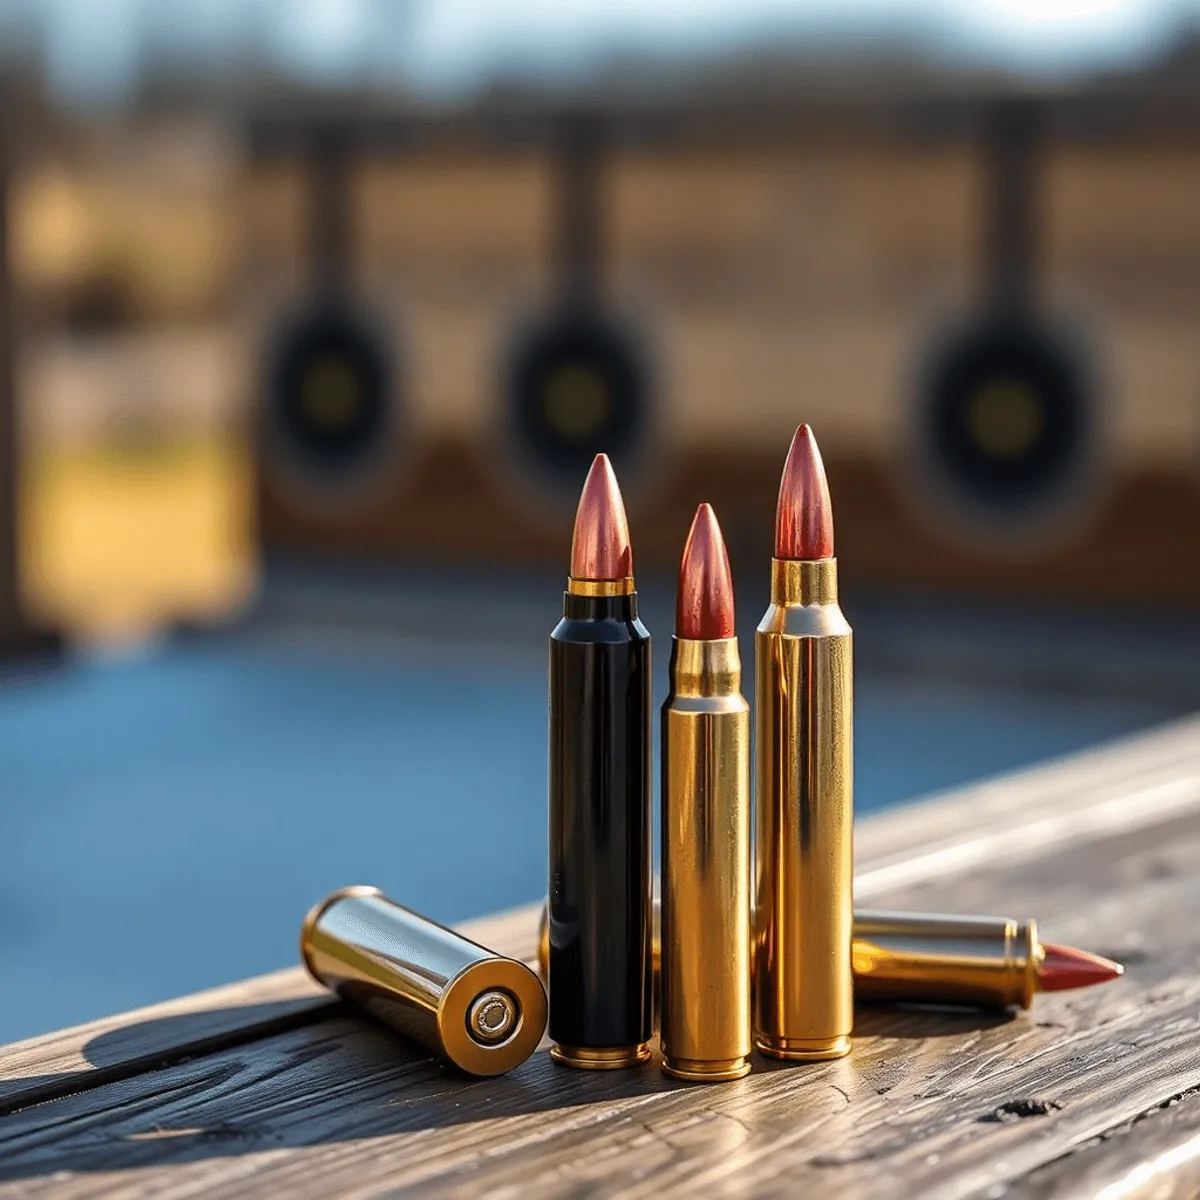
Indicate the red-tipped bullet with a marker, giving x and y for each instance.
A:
(803, 516)
(1065, 968)
(705, 949)
(600, 549)
(704, 601)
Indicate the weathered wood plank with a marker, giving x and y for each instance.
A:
(54, 1064)
(57, 1064)
(1137, 781)
(1129, 783)
(1154, 1157)
(932, 1105)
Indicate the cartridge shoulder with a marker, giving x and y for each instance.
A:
(609, 631)
(684, 706)
(804, 620)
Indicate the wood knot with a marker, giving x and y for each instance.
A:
(1018, 1110)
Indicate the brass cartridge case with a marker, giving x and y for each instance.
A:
(480, 1011)
(987, 962)
(705, 939)
(804, 866)
(922, 958)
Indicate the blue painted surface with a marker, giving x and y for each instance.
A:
(167, 820)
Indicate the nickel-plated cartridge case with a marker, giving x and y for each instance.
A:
(705, 942)
(804, 866)
(481, 1011)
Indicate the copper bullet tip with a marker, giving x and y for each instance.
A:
(704, 601)
(1065, 968)
(804, 517)
(600, 549)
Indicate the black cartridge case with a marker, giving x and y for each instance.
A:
(600, 764)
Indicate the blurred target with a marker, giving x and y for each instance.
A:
(331, 402)
(1006, 428)
(577, 388)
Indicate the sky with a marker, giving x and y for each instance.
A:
(93, 49)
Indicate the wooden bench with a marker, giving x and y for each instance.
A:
(270, 1087)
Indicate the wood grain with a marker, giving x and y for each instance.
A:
(1154, 1157)
(1132, 782)
(54, 1064)
(1139, 781)
(70, 1060)
(929, 1104)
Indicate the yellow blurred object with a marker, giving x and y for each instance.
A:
(51, 226)
(120, 541)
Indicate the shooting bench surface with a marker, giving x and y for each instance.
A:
(270, 1087)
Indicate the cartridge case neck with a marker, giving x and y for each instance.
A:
(705, 668)
(600, 587)
(804, 581)
(621, 606)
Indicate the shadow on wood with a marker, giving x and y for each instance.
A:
(925, 1021)
(1097, 1084)
(329, 1076)
(112, 1056)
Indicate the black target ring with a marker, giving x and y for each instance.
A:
(577, 388)
(1007, 418)
(330, 394)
